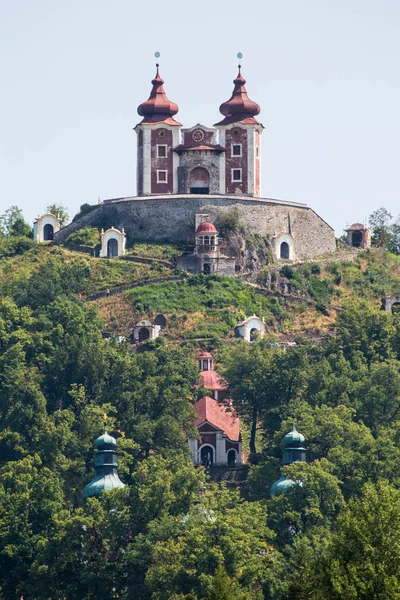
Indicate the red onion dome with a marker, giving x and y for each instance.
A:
(157, 104)
(206, 227)
(239, 104)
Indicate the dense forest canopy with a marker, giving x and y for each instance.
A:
(333, 535)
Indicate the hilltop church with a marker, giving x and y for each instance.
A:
(188, 175)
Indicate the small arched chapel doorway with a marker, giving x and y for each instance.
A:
(207, 268)
(231, 458)
(396, 308)
(207, 455)
(199, 182)
(356, 239)
(254, 334)
(112, 247)
(144, 334)
(284, 252)
(48, 232)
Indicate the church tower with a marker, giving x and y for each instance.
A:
(294, 451)
(106, 468)
(240, 135)
(157, 135)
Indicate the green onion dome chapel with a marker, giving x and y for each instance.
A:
(293, 451)
(106, 467)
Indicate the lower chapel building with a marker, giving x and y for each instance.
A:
(217, 423)
(186, 176)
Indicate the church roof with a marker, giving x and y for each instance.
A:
(157, 108)
(209, 410)
(185, 147)
(206, 227)
(357, 227)
(205, 355)
(212, 381)
(239, 107)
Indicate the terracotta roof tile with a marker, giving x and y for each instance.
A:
(211, 411)
(212, 381)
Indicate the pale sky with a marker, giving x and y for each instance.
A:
(325, 73)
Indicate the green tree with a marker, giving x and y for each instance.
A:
(13, 223)
(365, 332)
(364, 557)
(379, 222)
(221, 529)
(60, 211)
(223, 587)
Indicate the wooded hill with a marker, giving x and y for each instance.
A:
(335, 535)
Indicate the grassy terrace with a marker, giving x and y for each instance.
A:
(90, 274)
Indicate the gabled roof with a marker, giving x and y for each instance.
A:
(217, 414)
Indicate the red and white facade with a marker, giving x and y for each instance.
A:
(218, 423)
(199, 160)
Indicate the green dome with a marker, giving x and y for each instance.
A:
(282, 485)
(105, 441)
(101, 484)
(106, 468)
(294, 437)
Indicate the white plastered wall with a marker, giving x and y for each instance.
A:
(116, 234)
(39, 224)
(279, 239)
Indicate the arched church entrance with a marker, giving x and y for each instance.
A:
(254, 333)
(284, 250)
(231, 458)
(207, 455)
(112, 247)
(207, 268)
(199, 182)
(356, 239)
(48, 232)
(144, 334)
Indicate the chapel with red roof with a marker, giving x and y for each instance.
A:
(218, 423)
(224, 159)
(198, 176)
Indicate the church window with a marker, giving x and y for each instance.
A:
(162, 176)
(206, 240)
(235, 132)
(161, 150)
(236, 174)
(236, 149)
(162, 133)
(257, 152)
(284, 250)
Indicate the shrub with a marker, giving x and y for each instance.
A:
(89, 236)
(15, 244)
(315, 269)
(229, 222)
(287, 271)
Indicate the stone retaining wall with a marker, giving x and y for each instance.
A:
(171, 218)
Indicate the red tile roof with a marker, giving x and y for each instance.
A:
(239, 107)
(206, 227)
(205, 355)
(357, 227)
(158, 108)
(186, 147)
(211, 411)
(212, 381)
